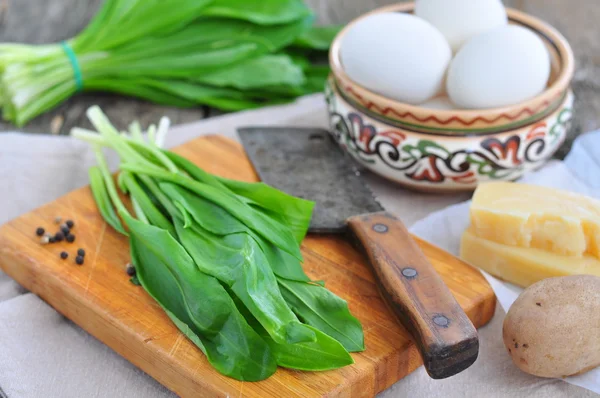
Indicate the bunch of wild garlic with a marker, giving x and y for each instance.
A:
(229, 54)
(221, 257)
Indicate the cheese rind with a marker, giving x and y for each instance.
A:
(531, 216)
(522, 266)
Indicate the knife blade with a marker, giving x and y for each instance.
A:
(307, 163)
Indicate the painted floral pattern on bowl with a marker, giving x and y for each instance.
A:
(433, 162)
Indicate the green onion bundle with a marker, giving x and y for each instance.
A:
(229, 54)
(221, 257)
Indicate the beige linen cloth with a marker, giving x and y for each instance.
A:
(43, 354)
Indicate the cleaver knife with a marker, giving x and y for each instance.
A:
(307, 163)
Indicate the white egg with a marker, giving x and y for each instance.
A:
(499, 68)
(459, 20)
(441, 102)
(397, 55)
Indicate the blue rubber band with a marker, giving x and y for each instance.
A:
(74, 64)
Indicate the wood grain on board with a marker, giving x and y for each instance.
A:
(99, 297)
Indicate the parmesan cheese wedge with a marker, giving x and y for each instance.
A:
(530, 216)
(522, 266)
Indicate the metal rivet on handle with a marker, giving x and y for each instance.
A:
(441, 320)
(409, 273)
(380, 228)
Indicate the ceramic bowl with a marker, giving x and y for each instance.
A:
(450, 150)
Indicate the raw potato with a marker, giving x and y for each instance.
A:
(553, 328)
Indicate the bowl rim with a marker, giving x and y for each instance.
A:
(555, 90)
(569, 97)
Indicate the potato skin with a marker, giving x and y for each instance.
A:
(553, 328)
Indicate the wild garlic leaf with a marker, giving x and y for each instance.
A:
(149, 18)
(316, 76)
(317, 37)
(102, 200)
(325, 353)
(185, 215)
(283, 264)
(198, 304)
(263, 12)
(237, 260)
(196, 93)
(186, 93)
(157, 201)
(138, 89)
(320, 308)
(194, 171)
(256, 73)
(190, 193)
(198, 61)
(292, 211)
(207, 214)
(159, 17)
(155, 216)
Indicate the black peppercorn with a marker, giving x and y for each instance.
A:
(79, 260)
(81, 252)
(58, 237)
(130, 269)
(64, 255)
(40, 231)
(51, 239)
(70, 238)
(70, 223)
(64, 229)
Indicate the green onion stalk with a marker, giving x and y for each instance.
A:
(229, 54)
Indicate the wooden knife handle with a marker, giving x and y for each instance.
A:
(444, 334)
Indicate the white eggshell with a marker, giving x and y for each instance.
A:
(397, 55)
(502, 67)
(442, 103)
(459, 20)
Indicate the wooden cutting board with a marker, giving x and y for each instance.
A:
(99, 297)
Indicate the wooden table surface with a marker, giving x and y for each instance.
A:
(35, 21)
